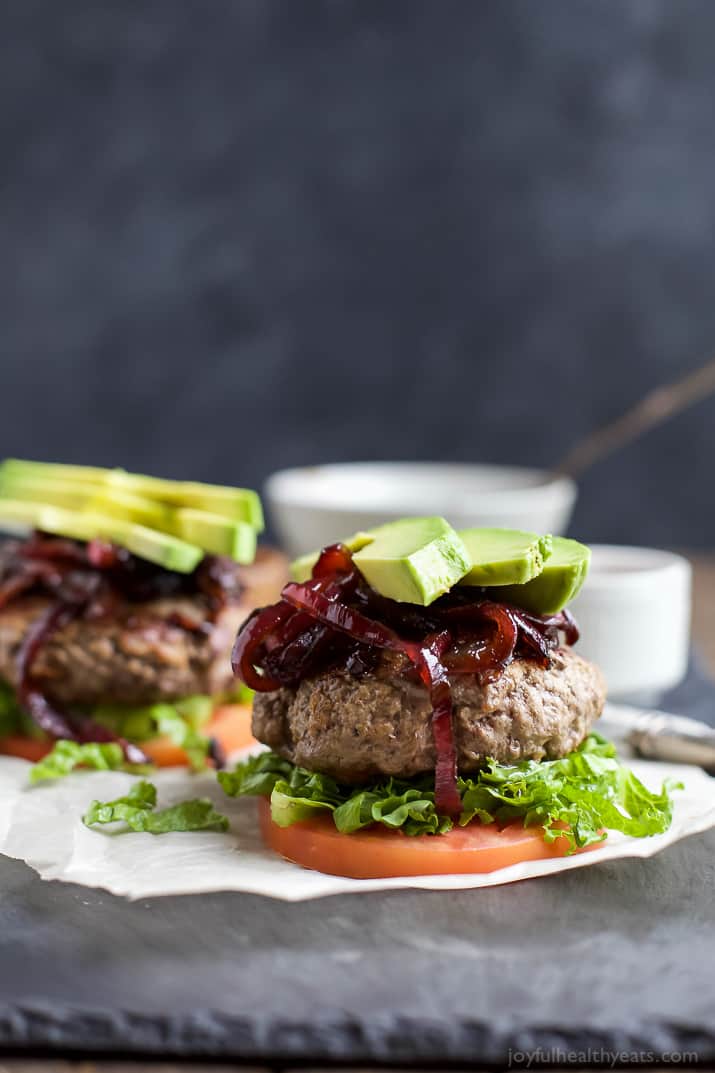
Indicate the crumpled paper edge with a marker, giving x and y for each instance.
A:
(42, 826)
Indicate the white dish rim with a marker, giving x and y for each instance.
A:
(641, 567)
(298, 485)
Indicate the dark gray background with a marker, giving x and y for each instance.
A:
(241, 234)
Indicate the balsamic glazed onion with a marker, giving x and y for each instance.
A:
(94, 581)
(336, 621)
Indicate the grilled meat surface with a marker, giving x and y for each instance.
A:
(356, 729)
(139, 655)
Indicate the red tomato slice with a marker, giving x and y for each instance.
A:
(230, 724)
(25, 748)
(378, 853)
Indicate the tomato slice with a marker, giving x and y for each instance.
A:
(230, 724)
(25, 748)
(378, 853)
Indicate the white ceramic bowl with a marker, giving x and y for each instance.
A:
(634, 615)
(314, 506)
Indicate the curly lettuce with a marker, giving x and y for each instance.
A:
(179, 720)
(13, 720)
(136, 811)
(94, 755)
(581, 797)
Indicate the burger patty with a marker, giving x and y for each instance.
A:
(138, 657)
(355, 729)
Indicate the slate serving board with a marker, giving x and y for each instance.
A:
(617, 957)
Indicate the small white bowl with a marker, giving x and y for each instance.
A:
(317, 505)
(634, 615)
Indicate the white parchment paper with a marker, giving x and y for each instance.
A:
(42, 826)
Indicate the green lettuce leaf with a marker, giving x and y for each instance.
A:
(13, 720)
(580, 796)
(589, 791)
(136, 811)
(412, 810)
(68, 755)
(172, 724)
(178, 720)
(296, 794)
(286, 808)
(255, 776)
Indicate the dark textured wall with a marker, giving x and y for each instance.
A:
(241, 234)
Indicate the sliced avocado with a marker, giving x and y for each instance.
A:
(560, 580)
(67, 494)
(88, 496)
(504, 556)
(302, 568)
(213, 533)
(160, 548)
(414, 560)
(20, 468)
(85, 495)
(130, 508)
(47, 517)
(241, 504)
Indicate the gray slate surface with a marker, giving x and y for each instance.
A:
(619, 956)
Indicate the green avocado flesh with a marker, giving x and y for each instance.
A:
(560, 580)
(159, 548)
(414, 560)
(123, 505)
(169, 523)
(418, 559)
(238, 504)
(504, 556)
(220, 536)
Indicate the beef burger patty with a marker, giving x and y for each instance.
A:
(138, 656)
(356, 729)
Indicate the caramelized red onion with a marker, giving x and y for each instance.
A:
(55, 723)
(436, 678)
(316, 599)
(335, 620)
